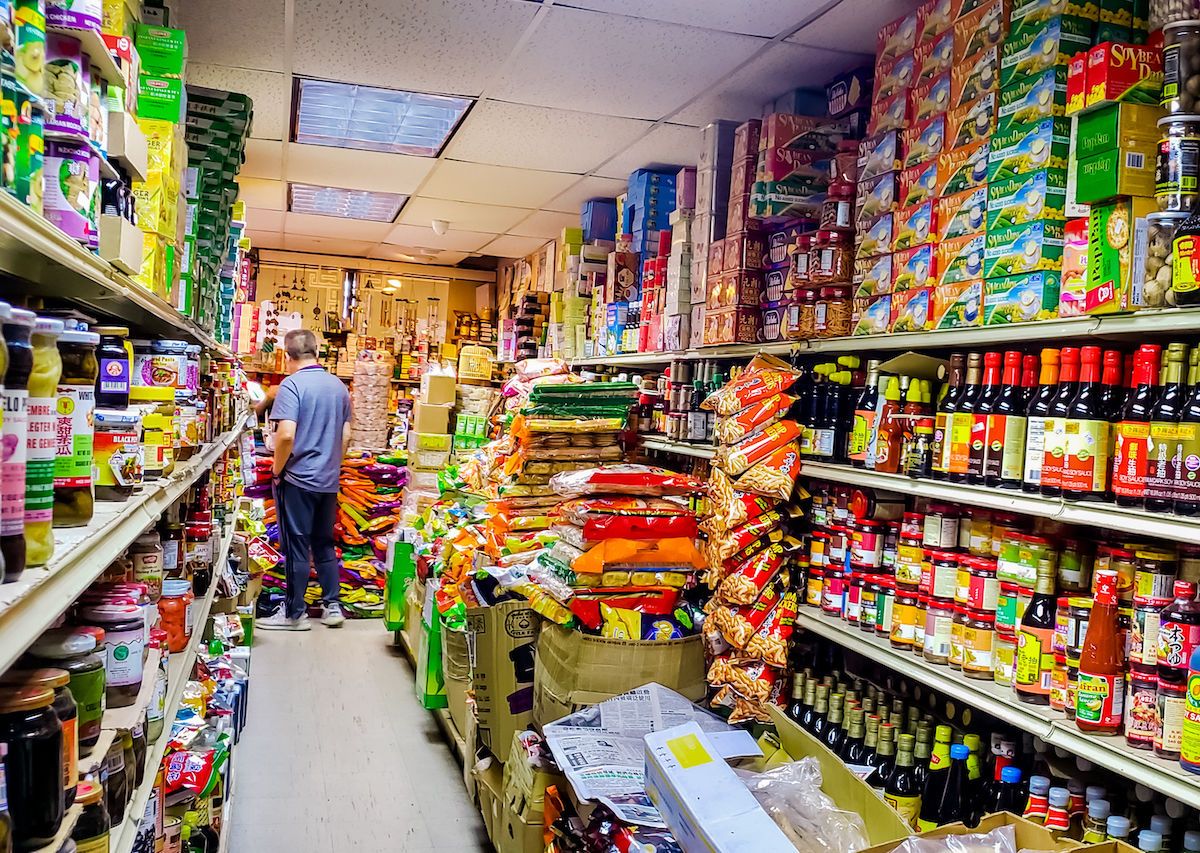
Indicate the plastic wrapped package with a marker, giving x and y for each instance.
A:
(625, 480)
(369, 394)
(791, 794)
(1002, 839)
(764, 377)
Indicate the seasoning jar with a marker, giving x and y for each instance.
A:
(868, 604)
(798, 277)
(814, 586)
(1124, 563)
(1072, 687)
(1189, 563)
(866, 546)
(64, 708)
(909, 559)
(76, 400)
(92, 827)
(175, 610)
(33, 763)
(904, 619)
(912, 528)
(157, 408)
(18, 330)
(1079, 610)
(146, 555)
(1007, 618)
(831, 257)
(944, 568)
(956, 638)
(1004, 658)
(978, 588)
(833, 312)
(918, 643)
(979, 543)
(1163, 12)
(884, 601)
(978, 640)
(833, 591)
(192, 383)
(156, 711)
(187, 426)
(1143, 634)
(118, 453)
(941, 526)
(837, 211)
(1177, 169)
(891, 543)
(853, 584)
(125, 649)
(74, 651)
(160, 363)
(818, 548)
(1168, 735)
(197, 549)
(115, 355)
(1154, 577)
(1141, 706)
(42, 443)
(939, 624)
(805, 326)
(172, 543)
(115, 778)
(1058, 685)
(839, 541)
(1074, 566)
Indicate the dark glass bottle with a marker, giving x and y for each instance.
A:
(1005, 436)
(795, 710)
(1054, 454)
(810, 705)
(989, 390)
(1131, 435)
(1035, 639)
(820, 719)
(1187, 501)
(834, 733)
(871, 741)
(1035, 424)
(945, 412)
(864, 417)
(1162, 473)
(943, 800)
(963, 420)
(1007, 794)
(886, 757)
(1086, 442)
(921, 756)
(903, 791)
(1029, 379)
(854, 747)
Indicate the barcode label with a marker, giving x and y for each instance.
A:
(1135, 160)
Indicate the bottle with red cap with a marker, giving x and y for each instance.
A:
(990, 390)
(1058, 412)
(1178, 634)
(1005, 436)
(1131, 436)
(1086, 433)
(1100, 696)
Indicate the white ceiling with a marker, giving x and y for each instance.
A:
(571, 96)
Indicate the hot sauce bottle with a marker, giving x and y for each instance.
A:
(978, 451)
(1085, 460)
(1131, 440)
(1005, 435)
(887, 445)
(1100, 697)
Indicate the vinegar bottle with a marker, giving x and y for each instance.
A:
(1035, 647)
(1055, 450)
(1100, 697)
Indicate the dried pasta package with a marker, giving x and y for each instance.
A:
(740, 537)
(752, 419)
(772, 537)
(774, 476)
(625, 480)
(753, 681)
(743, 584)
(677, 554)
(764, 377)
(750, 451)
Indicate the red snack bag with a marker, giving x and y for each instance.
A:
(764, 377)
(730, 508)
(770, 642)
(750, 451)
(738, 538)
(625, 480)
(739, 624)
(775, 476)
(743, 584)
(644, 527)
(752, 419)
(580, 510)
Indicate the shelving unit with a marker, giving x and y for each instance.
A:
(121, 837)
(1140, 766)
(64, 832)
(30, 605)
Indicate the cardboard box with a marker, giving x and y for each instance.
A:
(737, 325)
(876, 196)
(958, 305)
(573, 670)
(703, 802)
(1035, 97)
(1022, 148)
(1129, 73)
(973, 121)
(916, 184)
(975, 76)
(1021, 298)
(961, 258)
(876, 238)
(503, 641)
(1072, 292)
(961, 213)
(923, 141)
(159, 97)
(488, 786)
(890, 114)
(162, 50)
(514, 835)
(876, 317)
(524, 786)
(980, 29)
(849, 92)
(915, 267)
(456, 674)
(880, 154)
(1116, 172)
(1130, 126)
(1028, 247)
(431, 417)
(1113, 232)
(897, 36)
(1029, 835)
(935, 55)
(873, 276)
(912, 226)
(1036, 43)
(912, 310)
(1041, 194)
(929, 99)
(437, 389)
(1077, 83)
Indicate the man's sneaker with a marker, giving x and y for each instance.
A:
(333, 617)
(278, 621)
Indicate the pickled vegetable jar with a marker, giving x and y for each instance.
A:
(41, 443)
(18, 328)
(73, 498)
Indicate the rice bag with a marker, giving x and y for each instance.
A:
(750, 451)
(775, 475)
(625, 480)
(738, 538)
(753, 419)
(764, 377)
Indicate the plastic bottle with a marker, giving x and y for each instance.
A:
(1094, 825)
(864, 417)
(1100, 697)
(1058, 816)
(41, 442)
(1191, 841)
(1038, 804)
(1189, 752)
(1007, 796)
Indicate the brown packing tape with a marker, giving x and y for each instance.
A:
(1029, 835)
(884, 826)
(573, 670)
(502, 652)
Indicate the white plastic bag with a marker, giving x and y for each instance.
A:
(791, 794)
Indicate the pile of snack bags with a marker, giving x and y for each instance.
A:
(754, 505)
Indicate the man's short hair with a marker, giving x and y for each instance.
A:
(300, 343)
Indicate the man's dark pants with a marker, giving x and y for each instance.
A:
(306, 520)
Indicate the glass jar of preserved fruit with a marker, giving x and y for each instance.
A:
(76, 400)
(74, 651)
(30, 730)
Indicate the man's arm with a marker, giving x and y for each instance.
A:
(262, 405)
(345, 438)
(285, 438)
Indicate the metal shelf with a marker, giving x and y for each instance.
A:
(121, 837)
(1140, 766)
(93, 45)
(31, 604)
(33, 249)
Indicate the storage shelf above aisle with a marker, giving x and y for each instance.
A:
(1140, 766)
(33, 249)
(1153, 322)
(122, 836)
(30, 605)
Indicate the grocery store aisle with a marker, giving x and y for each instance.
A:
(337, 755)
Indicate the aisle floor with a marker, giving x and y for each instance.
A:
(337, 755)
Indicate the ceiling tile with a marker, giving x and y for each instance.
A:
(326, 245)
(619, 66)
(356, 170)
(546, 224)
(853, 26)
(506, 134)
(264, 159)
(460, 214)
(782, 68)
(270, 92)
(586, 189)
(438, 46)
(264, 220)
(404, 254)
(508, 246)
(501, 185)
(335, 226)
(262, 194)
(422, 237)
(759, 18)
(214, 34)
(666, 145)
(452, 258)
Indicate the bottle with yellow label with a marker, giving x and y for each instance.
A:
(1035, 640)
(903, 791)
(1185, 269)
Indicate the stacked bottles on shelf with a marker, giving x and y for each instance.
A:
(935, 770)
(668, 404)
(1102, 628)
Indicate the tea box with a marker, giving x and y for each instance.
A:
(879, 154)
(984, 27)
(913, 267)
(924, 141)
(877, 239)
(930, 98)
(934, 56)
(1117, 126)
(1022, 148)
(897, 37)
(876, 196)
(961, 213)
(911, 310)
(1033, 45)
(962, 168)
(1128, 73)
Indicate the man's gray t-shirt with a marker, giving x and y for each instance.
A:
(320, 405)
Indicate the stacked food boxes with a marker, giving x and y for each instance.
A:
(713, 172)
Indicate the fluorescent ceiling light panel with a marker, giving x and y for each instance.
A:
(347, 204)
(345, 115)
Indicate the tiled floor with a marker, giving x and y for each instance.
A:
(338, 756)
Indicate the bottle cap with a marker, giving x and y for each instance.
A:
(1191, 841)
(1150, 840)
(959, 752)
(1095, 792)
(1010, 775)
(1059, 797)
(1117, 826)
(1161, 824)
(1099, 809)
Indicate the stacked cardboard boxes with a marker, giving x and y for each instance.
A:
(713, 172)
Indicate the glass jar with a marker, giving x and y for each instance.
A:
(831, 257)
(904, 619)
(125, 649)
(1143, 634)
(18, 330)
(33, 735)
(978, 587)
(1004, 658)
(837, 211)
(833, 312)
(910, 558)
(74, 651)
(912, 528)
(956, 638)
(980, 533)
(941, 526)
(157, 408)
(939, 624)
(76, 400)
(115, 778)
(1007, 619)
(918, 643)
(146, 555)
(833, 592)
(806, 316)
(161, 363)
(1079, 611)
(156, 711)
(1058, 686)
(137, 738)
(1074, 566)
(1163, 12)
(41, 443)
(943, 582)
(884, 602)
(198, 551)
(866, 548)
(1160, 259)
(1073, 688)
(814, 586)
(175, 610)
(1154, 577)
(187, 427)
(118, 453)
(64, 708)
(978, 639)
(1124, 563)
(173, 556)
(1177, 167)
(1141, 706)
(115, 355)
(868, 604)
(1004, 525)
(91, 829)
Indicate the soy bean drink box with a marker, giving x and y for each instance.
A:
(975, 76)
(1034, 44)
(972, 121)
(934, 55)
(962, 168)
(1028, 247)
(918, 183)
(961, 213)
(876, 197)
(1022, 148)
(1034, 97)
(1020, 298)
(984, 26)
(958, 305)
(961, 258)
(1040, 194)
(911, 226)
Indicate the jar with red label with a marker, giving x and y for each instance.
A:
(939, 625)
(831, 257)
(837, 211)
(814, 586)
(833, 312)
(1058, 685)
(941, 526)
(904, 619)
(884, 602)
(978, 640)
(978, 587)
(854, 586)
(839, 540)
(912, 527)
(866, 547)
(943, 575)
(1062, 623)
(1153, 577)
(891, 542)
(1141, 706)
(833, 592)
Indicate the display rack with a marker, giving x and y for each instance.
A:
(64, 831)
(29, 605)
(121, 837)
(1141, 766)
(33, 249)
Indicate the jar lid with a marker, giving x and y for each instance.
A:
(1171, 119)
(1168, 215)
(43, 677)
(25, 699)
(153, 393)
(20, 317)
(79, 336)
(176, 588)
(148, 537)
(48, 326)
(172, 345)
(88, 793)
(112, 612)
(112, 331)
(64, 643)
(140, 343)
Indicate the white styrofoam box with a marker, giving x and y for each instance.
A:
(716, 139)
(696, 333)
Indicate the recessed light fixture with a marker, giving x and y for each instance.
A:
(347, 204)
(345, 115)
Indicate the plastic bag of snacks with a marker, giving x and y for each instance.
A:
(753, 419)
(625, 480)
(775, 476)
(735, 459)
(764, 377)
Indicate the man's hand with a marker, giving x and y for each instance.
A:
(285, 438)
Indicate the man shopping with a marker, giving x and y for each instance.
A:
(311, 414)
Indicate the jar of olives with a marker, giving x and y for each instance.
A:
(1181, 66)
(1163, 12)
(1177, 163)
(1160, 237)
